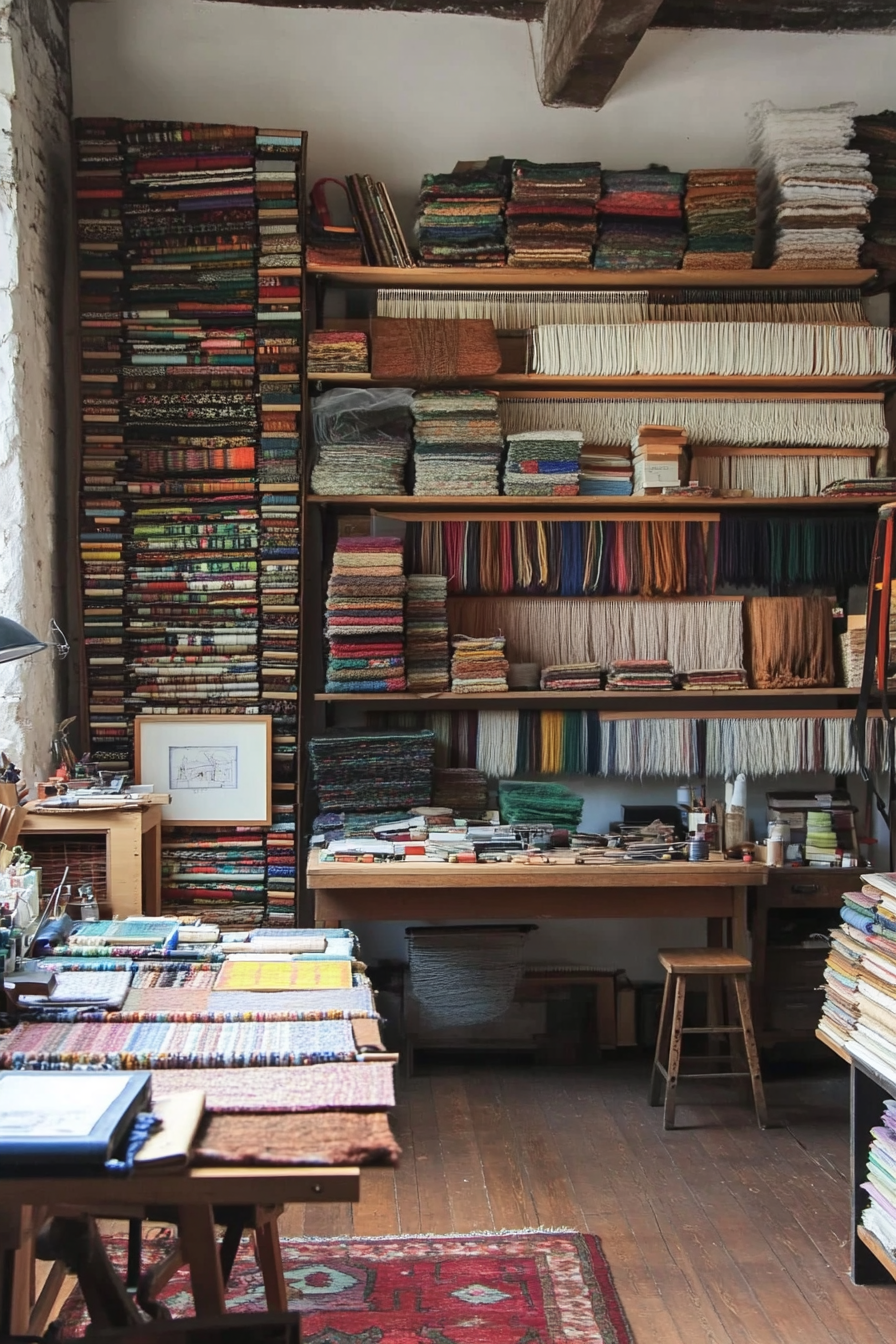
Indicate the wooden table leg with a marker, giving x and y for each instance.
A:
(16, 1268)
(674, 1052)
(197, 1233)
(270, 1260)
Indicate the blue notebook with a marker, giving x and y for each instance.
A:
(66, 1119)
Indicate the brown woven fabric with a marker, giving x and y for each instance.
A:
(310, 1138)
(790, 641)
(432, 350)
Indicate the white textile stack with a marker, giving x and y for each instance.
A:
(814, 191)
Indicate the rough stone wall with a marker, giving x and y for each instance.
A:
(35, 510)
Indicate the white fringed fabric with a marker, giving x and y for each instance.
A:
(778, 477)
(726, 349)
(759, 422)
(690, 634)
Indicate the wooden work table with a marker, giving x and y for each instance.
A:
(714, 889)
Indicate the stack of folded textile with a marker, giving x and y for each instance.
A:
(365, 615)
(360, 771)
(605, 471)
(532, 803)
(640, 674)
(338, 352)
(814, 192)
(464, 792)
(876, 137)
(543, 462)
(460, 216)
(859, 1013)
(872, 487)
(457, 443)
(821, 838)
(362, 438)
(552, 214)
(220, 874)
(720, 206)
(642, 221)
(840, 1010)
(571, 677)
(478, 665)
(658, 458)
(879, 1215)
(280, 855)
(427, 633)
(713, 679)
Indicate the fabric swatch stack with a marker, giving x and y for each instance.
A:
(552, 214)
(365, 616)
(457, 443)
(642, 221)
(876, 137)
(280, 858)
(840, 1010)
(605, 471)
(427, 633)
(720, 206)
(370, 772)
(571, 677)
(461, 791)
(219, 874)
(814, 191)
(478, 666)
(460, 216)
(523, 804)
(714, 679)
(859, 1012)
(543, 462)
(821, 838)
(640, 674)
(338, 352)
(879, 1216)
(362, 440)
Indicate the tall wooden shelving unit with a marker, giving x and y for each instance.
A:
(321, 513)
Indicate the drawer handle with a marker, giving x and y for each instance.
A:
(804, 888)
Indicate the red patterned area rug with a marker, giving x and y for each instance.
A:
(490, 1288)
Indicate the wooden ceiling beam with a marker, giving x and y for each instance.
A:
(783, 16)
(491, 9)
(585, 46)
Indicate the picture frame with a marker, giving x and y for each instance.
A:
(216, 768)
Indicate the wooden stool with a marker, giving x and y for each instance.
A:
(680, 962)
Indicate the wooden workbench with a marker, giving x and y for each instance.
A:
(714, 889)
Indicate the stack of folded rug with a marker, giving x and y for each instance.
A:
(552, 214)
(478, 665)
(365, 616)
(642, 221)
(460, 216)
(720, 205)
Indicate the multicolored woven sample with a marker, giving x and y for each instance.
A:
(243, 974)
(367, 1086)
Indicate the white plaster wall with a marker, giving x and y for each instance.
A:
(34, 190)
(397, 95)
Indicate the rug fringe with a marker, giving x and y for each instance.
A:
(440, 1236)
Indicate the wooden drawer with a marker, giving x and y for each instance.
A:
(793, 1011)
(795, 887)
(788, 968)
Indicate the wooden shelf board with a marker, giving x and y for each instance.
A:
(619, 704)
(868, 1239)
(512, 277)
(541, 382)
(597, 504)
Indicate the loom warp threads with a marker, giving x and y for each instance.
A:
(776, 476)
(515, 309)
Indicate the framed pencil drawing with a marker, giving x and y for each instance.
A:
(215, 767)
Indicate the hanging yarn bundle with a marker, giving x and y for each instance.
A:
(460, 977)
(790, 641)
(816, 550)
(690, 635)
(747, 422)
(515, 309)
(749, 349)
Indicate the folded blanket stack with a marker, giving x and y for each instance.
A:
(427, 633)
(571, 677)
(605, 471)
(523, 803)
(362, 439)
(879, 1216)
(457, 443)
(642, 221)
(640, 674)
(337, 352)
(876, 137)
(552, 214)
(713, 679)
(358, 771)
(460, 216)
(720, 207)
(365, 615)
(543, 462)
(218, 874)
(478, 665)
(814, 192)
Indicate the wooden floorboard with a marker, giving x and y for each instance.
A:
(717, 1232)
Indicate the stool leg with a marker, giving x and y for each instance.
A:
(674, 1052)
(661, 1053)
(739, 1061)
(746, 1021)
(267, 1251)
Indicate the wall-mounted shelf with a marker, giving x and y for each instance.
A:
(389, 505)
(541, 382)
(512, 277)
(620, 704)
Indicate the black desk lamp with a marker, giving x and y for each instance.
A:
(16, 641)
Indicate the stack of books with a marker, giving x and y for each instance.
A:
(658, 458)
(381, 236)
(605, 471)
